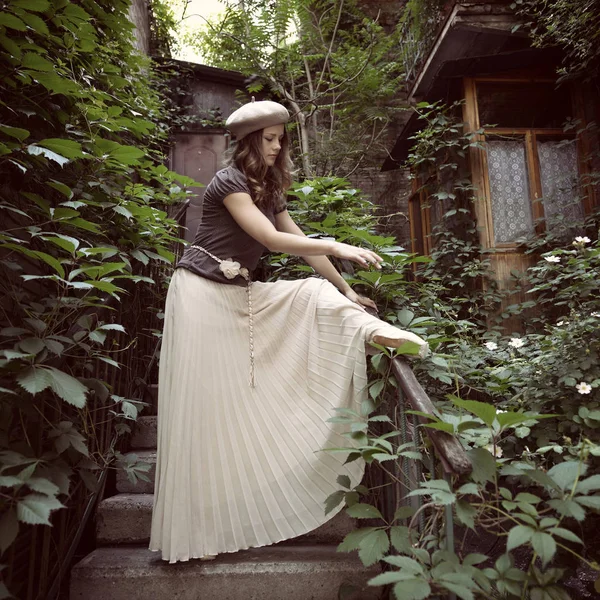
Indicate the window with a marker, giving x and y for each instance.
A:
(419, 216)
(528, 168)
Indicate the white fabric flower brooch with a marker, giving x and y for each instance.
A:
(232, 268)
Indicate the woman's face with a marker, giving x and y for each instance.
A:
(271, 143)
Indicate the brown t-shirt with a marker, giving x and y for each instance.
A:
(220, 234)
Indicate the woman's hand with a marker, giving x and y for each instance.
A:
(362, 301)
(362, 256)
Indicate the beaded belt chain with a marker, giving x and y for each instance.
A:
(231, 269)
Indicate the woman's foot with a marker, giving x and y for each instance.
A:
(208, 557)
(399, 337)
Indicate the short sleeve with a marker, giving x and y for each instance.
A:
(281, 205)
(228, 181)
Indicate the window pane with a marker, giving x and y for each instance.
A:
(530, 105)
(509, 187)
(558, 171)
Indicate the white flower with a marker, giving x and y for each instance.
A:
(581, 240)
(494, 450)
(516, 342)
(583, 387)
(231, 268)
(560, 323)
(596, 314)
(491, 345)
(552, 259)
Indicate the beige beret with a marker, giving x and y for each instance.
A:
(256, 115)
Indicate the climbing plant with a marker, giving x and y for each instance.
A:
(84, 199)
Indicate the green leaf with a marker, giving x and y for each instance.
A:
(564, 474)
(35, 509)
(353, 539)
(344, 481)
(386, 578)
(12, 22)
(460, 590)
(406, 563)
(38, 151)
(47, 258)
(32, 5)
(585, 486)
(34, 379)
(484, 465)
(544, 545)
(10, 46)
(568, 508)
(32, 60)
(64, 147)
(15, 132)
(364, 511)
(55, 83)
(333, 500)
(127, 155)
(373, 547)
(67, 387)
(519, 535)
(404, 512)
(35, 23)
(9, 528)
(486, 412)
(565, 534)
(412, 589)
(466, 513)
(43, 486)
(400, 538)
(32, 345)
(66, 191)
(123, 211)
(589, 501)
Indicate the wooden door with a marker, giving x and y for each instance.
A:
(200, 156)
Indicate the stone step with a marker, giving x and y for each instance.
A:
(141, 487)
(144, 433)
(272, 573)
(126, 519)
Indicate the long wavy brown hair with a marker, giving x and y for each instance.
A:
(268, 185)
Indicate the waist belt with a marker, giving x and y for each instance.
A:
(231, 269)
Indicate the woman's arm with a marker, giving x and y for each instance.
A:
(255, 224)
(321, 264)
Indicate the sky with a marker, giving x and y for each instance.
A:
(197, 9)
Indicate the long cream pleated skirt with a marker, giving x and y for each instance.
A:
(240, 466)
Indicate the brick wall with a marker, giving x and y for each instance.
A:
(138, 15)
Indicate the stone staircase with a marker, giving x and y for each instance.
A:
(122, 567)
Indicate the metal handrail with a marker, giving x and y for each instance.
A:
(447, 447)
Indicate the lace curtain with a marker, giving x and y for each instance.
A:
(509, 187)
(559, 174)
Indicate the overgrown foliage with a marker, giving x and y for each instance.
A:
(84, 195)
(525, 407)
(573, 25)
(330, 64)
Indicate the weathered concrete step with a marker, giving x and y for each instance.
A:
(144, 433)
(141, 487)
(126, 519)
(273, 573)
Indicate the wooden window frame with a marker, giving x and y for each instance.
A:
(419, 200)
(479, 162)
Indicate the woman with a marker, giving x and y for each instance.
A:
(251, 372)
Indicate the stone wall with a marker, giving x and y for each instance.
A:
(139, 16)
